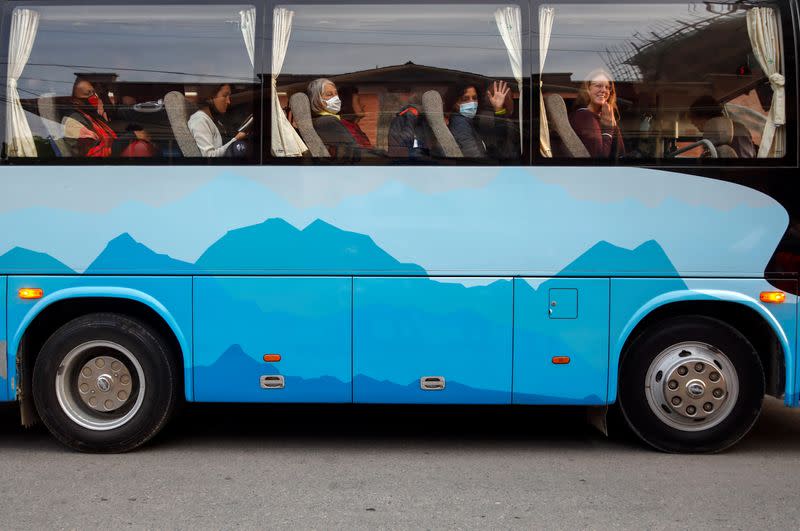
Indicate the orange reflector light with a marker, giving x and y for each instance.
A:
(560, 360)
(272, 357)
(30, 293)
(775, 297)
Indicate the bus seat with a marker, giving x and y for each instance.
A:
(719, 131)
(51, 120)
(433, 107)
(178, 112)
(565, 142)
(301, 111)
(389, 105)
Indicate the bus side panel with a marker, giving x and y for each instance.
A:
(3, 343)
(306, 321)
(170, 297)
(405, 329)
(561, 318)
(632, 299)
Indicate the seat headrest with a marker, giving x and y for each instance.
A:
(179, 110)
(301, 111)
(433, 108)
(719, 131)
(558, 123)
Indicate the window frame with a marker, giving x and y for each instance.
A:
(788, 16)
(7, 9)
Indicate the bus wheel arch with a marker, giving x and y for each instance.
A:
(740, 317)
(60, 312)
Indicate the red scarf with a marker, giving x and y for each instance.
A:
(105, 136)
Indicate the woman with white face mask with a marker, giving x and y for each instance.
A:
(496, 141)
(343, 138)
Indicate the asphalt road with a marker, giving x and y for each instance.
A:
(377, 467)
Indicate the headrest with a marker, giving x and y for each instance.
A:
(719, 131)
(433, 108)
(179, 110)
(568, 143)
(301, 110)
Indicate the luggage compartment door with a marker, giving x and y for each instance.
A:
(272, 339)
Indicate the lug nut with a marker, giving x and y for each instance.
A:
(708, 406)
(691, 410)
(717, 393)
(714, 376)
(682, 370)
(698, 367)
(676, 400)
(672, 384)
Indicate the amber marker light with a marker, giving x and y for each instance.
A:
(774, 297)
(560, 360)
(272, 357)
(30, 293)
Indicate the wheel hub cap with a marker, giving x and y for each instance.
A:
(104, 383)
(691, 386)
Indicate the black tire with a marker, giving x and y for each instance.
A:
(147, 361)
(652, 427)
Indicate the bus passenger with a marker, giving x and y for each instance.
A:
(596, 116)
(496, 140)
(343, 138)
(86, 129)
(208, 128)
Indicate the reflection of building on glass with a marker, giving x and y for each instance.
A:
(661, 63)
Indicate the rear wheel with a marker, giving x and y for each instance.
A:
(691, 384)
(105, 383)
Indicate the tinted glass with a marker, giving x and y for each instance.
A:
(381, 60)
(97, 79)
(659, 81)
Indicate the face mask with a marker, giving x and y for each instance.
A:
(333, 105)
(93, 100)
(469, 109)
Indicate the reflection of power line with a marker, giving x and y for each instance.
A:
(90, 68)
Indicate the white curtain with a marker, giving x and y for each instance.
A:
(24, 24)
(546, 17)
(509, 23)
(247, 18)
(765, 38)
(285, 140)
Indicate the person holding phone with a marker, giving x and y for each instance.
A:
(596, 116)
(208, 128)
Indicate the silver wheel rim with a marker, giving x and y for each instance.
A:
(691, 386)
(100, 385)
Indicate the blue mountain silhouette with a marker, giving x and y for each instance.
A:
(277, 245)
(604, 258)
(124, 254)
(20, 260)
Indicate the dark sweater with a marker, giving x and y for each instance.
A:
(602, 142)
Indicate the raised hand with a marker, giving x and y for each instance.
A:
(606, 116)
(497, 95)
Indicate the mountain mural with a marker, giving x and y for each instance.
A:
(19, 260)
(125, 255)
(320, 248)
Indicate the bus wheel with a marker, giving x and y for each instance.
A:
(691, 384)
(105, 383)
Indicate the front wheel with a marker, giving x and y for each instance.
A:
(105, 383)
(691, 384)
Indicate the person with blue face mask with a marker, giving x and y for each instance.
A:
(481, 142)
(343, 138)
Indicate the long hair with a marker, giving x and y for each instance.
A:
(205, 100)
(583, 93)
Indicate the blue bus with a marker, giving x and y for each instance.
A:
(572, 202)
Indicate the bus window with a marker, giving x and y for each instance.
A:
(666, 81)
(357, 83)
(120, 82)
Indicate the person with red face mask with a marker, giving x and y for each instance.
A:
(86, 129)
